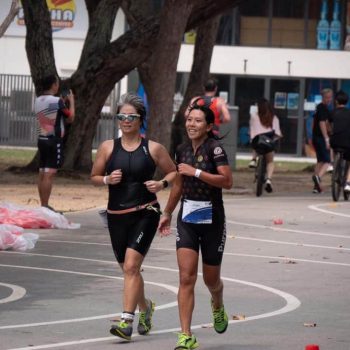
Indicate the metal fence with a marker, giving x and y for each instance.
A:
(18, 123)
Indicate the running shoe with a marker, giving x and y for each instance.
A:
(317, 182)
(220, 319)
(268, 186)
(145, 319)
(252, 163)
(185, 341)
(122, 330)
(347, 187)
(330, 168)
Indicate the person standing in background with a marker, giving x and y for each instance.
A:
(320, 138)
(52, 113)
(216, 104)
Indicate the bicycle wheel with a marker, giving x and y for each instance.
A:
(346, 195)
(337, 177)
(260, 175)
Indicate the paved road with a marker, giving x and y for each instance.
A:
(282, 277)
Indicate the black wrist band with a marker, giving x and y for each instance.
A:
(165, 183)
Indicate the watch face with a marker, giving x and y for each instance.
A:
(165, 183)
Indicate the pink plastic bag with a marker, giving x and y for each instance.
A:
(14, 237)
(28, 217)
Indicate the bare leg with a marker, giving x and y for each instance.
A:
(187, 260)
(211, 277)
(45, 182)
(133, 282)
(269, 164)
(322, 169)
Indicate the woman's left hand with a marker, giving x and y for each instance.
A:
(185, 169)
(154, 186)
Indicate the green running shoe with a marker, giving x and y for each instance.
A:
(122, 330)
(220, 319)
(145, 319)
(185, 341)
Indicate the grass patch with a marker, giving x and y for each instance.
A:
(19, 157)
(242, 164)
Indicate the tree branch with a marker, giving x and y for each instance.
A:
(102, 16)
(9, 18)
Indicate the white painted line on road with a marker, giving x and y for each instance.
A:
(316, 208)
(275, 258)
(286, 229)
(287, 243)
(17, 293)
(75, 242)
(288, 259)
(172, 250)
(160, 307)
(292, 303)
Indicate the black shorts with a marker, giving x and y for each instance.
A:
(51, 153)
(134, 230)
(322, 153)
(210, 238)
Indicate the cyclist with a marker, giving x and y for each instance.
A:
(203, 171)
(216, 104)
(265, 122)
(320, 139)
(340, 121)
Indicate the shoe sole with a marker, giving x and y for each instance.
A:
(268, 188)
(223, 331)
(153, 305)
(194, 346)
(119, 334)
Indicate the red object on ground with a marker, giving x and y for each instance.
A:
(278, 221)
(312, 347)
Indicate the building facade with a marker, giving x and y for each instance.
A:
(283, 50)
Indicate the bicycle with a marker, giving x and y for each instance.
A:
(339, 175)
(260, 174)
(262, 144)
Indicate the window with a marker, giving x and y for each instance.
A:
(254, 23)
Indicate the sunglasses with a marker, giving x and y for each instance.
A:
(128, 117)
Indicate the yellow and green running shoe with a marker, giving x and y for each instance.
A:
(220, 319)
(145, 319)
(185, 341)
(122, 329)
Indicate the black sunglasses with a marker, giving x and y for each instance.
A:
(129, 117)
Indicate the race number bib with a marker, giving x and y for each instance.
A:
(197, 212)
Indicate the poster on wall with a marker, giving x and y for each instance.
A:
(69, 19)
(293, 100)
(280, 100)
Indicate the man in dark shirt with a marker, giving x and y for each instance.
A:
(320, 138)
(340, 121)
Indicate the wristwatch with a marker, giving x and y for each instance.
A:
(165, 183)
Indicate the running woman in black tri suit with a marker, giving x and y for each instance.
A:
(127, 166)
(203, 171)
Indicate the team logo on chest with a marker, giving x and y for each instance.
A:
(217, 150)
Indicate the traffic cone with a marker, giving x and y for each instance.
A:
(312, 347)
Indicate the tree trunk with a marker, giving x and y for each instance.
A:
(203, 50)
(9, 18)
(159, 73)
(104, 63)
(39, 44)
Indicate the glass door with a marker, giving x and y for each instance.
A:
(285, 98)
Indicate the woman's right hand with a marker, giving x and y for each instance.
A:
(114, 177)
(164, 225)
